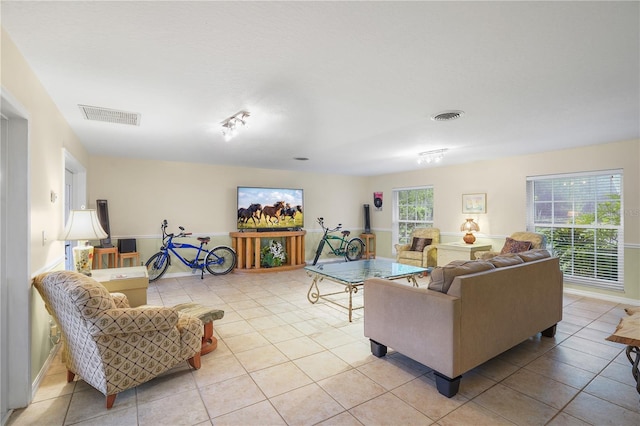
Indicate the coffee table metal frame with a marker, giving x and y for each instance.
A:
(353, 274)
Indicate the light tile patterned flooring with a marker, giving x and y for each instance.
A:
(281, 360)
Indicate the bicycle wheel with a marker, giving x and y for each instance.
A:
(221, 260)
(318, 251)
(355, 248)
(157, 265)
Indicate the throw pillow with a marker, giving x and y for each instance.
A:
(418, 244)
(515, 246)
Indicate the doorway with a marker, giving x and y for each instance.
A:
(15, 255)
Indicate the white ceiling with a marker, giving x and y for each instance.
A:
(350, 85)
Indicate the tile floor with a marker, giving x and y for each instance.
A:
(281, 360)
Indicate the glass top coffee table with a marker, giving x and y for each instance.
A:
(353, 274)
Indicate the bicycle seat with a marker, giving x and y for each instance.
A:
(345, 233)
(204, 239)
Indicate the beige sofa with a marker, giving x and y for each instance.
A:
(487, 307)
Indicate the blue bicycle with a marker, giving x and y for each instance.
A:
(218, 261)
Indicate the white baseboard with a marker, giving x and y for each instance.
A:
(616, 299)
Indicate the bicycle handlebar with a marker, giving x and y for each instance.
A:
(164, 225)
(321, 222)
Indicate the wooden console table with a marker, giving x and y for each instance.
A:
(247, 246)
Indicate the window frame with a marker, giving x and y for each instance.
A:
(554, 222)
(396, 213)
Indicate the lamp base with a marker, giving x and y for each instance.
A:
(469, 238)
(83, 259)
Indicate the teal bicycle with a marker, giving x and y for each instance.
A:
(218, 261)
(351, 249)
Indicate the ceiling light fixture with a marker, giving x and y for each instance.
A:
(429, 157)
(231, 125)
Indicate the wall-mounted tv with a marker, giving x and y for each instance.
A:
(270, 208)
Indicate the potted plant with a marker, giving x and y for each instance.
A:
(272, 255)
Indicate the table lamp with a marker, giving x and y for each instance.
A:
(83, 225)
(469, 227)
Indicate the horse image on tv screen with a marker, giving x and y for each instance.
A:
(270, 208)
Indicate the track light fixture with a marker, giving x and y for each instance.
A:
(429, 157)
(231, 125)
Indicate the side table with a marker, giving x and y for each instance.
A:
(133, 282)
(459, 251)
(369, 246)
(112, 257)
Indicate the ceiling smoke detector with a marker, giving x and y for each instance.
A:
(447, 115)
(109, 115)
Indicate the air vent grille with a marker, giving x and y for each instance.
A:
(109, 115)
(447, 115)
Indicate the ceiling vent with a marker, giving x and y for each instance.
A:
(110, 115)
(447, 115)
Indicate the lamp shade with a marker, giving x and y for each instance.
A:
(469, 226)
(83, 225)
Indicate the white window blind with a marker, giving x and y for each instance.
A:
(581, 217)
(412, 208)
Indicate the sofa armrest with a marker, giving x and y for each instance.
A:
(417, 322)
(132, 320)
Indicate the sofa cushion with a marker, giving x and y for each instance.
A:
(418, 244)
(515, 246)
(535, 254)
(442, 277)
(507, 259)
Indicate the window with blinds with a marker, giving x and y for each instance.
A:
(412, 208)
(581, 217)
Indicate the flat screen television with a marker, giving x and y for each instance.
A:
(270, 209)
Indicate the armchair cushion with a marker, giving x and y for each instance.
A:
(418, 244)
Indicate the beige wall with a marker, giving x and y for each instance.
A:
(202, 198)
(504, 182)
(49, 133)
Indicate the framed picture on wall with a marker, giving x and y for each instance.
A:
(474, 203)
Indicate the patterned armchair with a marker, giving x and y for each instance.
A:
(421, 250)
(109, 345)
(516, 243)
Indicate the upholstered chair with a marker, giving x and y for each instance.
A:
(109, 345)
(516, 243)
(421, 249)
